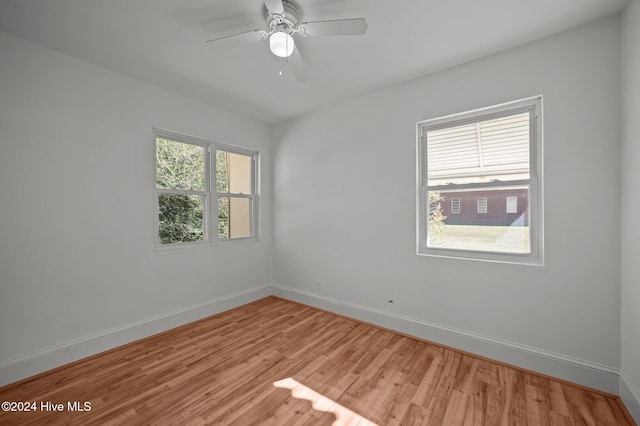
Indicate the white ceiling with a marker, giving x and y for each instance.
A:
(162, 42)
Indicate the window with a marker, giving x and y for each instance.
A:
(206, 192)
(482, 204)
(234, 191)
(484, 156)
(455, 205)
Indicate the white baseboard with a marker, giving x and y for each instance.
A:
(575, 370)
(630, 398)
(45, 359)
(593, 375)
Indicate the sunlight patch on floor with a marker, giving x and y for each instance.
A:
(319, 402)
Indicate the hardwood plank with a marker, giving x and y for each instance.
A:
(229, 368)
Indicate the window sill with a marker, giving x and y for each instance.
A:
(508, 258)
(173, 248)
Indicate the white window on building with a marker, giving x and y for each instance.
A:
(482, 205)
(483, 153)
(455, 205)
(512, 204)
(206, 191)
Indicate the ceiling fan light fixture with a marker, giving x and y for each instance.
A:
(281, 44)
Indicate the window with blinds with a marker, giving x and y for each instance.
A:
(485, 159)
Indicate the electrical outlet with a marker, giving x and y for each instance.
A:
(318, 285)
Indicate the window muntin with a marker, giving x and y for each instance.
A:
(188, 212)
(491, 160)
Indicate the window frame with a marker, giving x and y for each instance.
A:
(533, 105)
(210, 194)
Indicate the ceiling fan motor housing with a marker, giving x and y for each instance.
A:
(287, 21)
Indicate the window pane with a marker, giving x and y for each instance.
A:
(495, 230)
(179, 165)
(234, 217)
(181, 218)
(496, 149)
(233, 173)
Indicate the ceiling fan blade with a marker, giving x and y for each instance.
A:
(298, 67)
(237, 39)
(274, 6)
(355, 26)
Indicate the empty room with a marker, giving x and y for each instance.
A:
(347, 212)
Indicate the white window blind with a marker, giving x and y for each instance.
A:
(496, 149)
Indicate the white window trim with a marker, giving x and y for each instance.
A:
(210, 195)
(534, 183)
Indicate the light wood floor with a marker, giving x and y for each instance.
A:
(279, 363)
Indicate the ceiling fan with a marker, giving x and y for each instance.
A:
(283, 22)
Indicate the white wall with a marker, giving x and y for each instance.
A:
(77, 203)
(344, 202)
(76, 187)
(630, 383)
